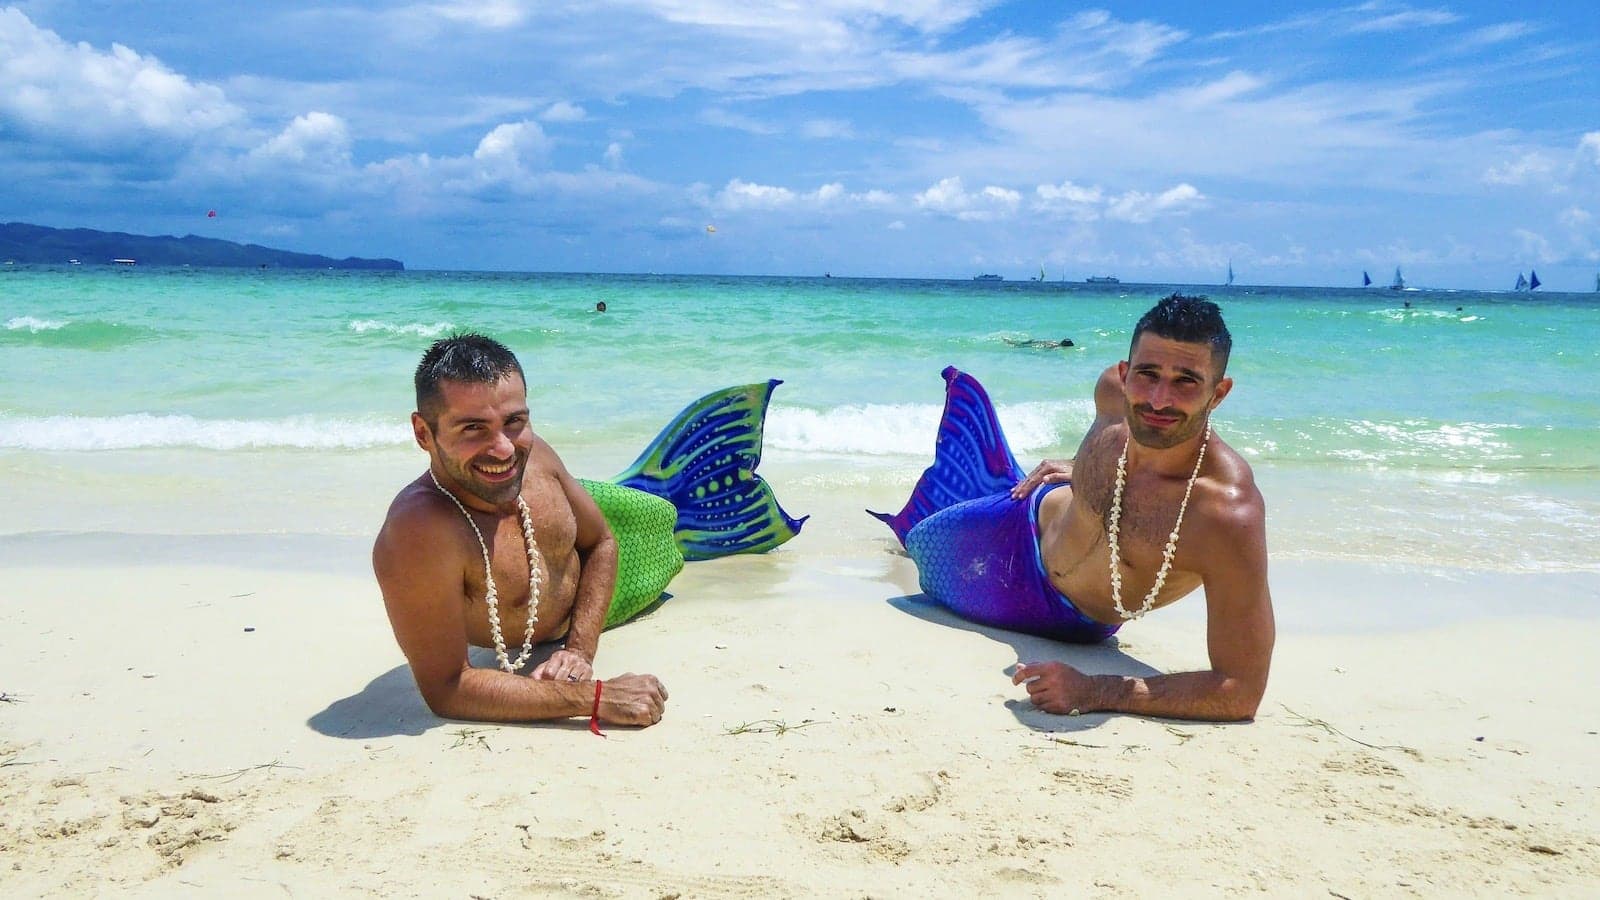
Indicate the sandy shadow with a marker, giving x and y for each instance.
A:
(1104, 658)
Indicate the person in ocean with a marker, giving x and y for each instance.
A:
(1039, 344)
(1154, 505)
(498, 534)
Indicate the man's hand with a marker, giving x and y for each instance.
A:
(1057, 687)
(564, 665)
(1051, 471)
(631, 699)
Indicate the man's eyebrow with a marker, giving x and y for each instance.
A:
(1185, 370)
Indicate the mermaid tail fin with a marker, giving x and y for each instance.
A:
(970, 458)
(704, 461)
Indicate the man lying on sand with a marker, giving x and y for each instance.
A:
(1036, 553)
(538, 559)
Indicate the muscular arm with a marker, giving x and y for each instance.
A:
(1239, 635)
(1108, 410)
(420, 577)
(597, 574)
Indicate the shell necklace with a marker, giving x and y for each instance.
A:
(1172, 540)
(491, 599)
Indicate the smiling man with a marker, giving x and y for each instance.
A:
(1154, 505)
(498, 538)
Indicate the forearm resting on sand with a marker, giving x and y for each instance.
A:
(1209, 696)
(1212, 696)
(490, 695)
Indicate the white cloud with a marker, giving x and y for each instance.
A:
(1589, 146)
(78, 95)
(1530, 168)
(512, 147)
(1139, 207)
(562, 111)
(1573, 217)
(722, 118)
(745, 195)
(827, 128)
(493, 15)
(613, 155)
(315, 140)
(950, 196)
(1405, 19)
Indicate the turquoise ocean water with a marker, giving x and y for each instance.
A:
(1459, 432)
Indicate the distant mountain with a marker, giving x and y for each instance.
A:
(24, 243)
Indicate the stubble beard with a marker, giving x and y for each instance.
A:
(495, 494)
(1185, 429)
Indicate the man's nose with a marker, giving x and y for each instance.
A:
(502, 448)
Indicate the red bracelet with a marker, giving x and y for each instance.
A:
(594, 714)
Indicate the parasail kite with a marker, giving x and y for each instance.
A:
(711, 229)
(211, 214)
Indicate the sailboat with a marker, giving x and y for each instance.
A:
(1230, 273)
(1399, 284)
(1522, 283)
(1533, 280)
(1597, 282)
(1041, 274)
(1366, 280)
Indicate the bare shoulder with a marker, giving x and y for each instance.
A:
(417, 527)
(1226, 496)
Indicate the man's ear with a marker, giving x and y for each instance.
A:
(421, 431)
(1122, 371)
(1222, 389)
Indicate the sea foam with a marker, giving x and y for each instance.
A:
(35, 325)
(143, 431)
(362, 326)
(909, 429)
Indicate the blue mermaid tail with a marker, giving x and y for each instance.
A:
(704, 462)
(976, 549)
(971, 458)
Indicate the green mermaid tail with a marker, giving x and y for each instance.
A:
(704, 461)
(693, 494)
(647, 555)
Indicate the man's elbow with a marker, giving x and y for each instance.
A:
(443, 699)
(1243, 701)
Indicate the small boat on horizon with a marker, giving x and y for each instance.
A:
(1103, 279)
(1366, 280)
(124, 261)
(1527, 284)
(988, 277)
(1229, 282)
(1399, 283)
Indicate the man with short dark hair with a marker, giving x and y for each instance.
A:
(534, 556)
(1153, 506)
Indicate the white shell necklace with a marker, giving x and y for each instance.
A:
(491, 599)
(1172, 540)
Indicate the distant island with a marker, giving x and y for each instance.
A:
(37, 244)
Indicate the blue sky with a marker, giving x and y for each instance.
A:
(925, 138)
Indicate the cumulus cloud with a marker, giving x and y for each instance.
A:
(562, 111)
(950, 197)
(77, 95)
(1139, 207)
(1589, 147)
(1068, 199)
(512, 148)
(314, 140)
(613, 155)
(744, 195)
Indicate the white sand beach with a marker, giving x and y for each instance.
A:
(194, 716)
